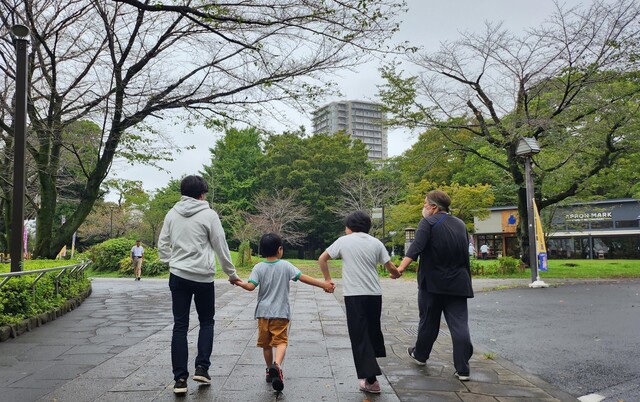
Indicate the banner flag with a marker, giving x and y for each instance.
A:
(541, 248)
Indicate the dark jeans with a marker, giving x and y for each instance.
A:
(455, 311)
(203, 294)
(367, 342)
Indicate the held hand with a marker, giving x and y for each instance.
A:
(236, 282)
(330, 287)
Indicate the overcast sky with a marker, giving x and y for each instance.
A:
(427, 24)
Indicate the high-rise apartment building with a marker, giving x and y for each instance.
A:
(361, 120)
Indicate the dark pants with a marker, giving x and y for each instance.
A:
(367, 342)
(431, 307)
(203, 294)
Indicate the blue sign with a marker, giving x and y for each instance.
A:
(542, 262)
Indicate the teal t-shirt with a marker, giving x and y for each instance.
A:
(272, 280)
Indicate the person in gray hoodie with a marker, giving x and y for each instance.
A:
(190, 239)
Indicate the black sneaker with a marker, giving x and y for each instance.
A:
(463, 376)
(276, 377)
(202, 375)
(180, 387)
(418, 362)
(268, 376)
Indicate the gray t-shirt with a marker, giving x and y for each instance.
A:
(360, 254)
(272, 279)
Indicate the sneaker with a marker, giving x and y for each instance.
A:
(180, 387)
(276, 377)
(268, 376)
(418, 362)
(202, 375)
(463, 376)
(370, 388)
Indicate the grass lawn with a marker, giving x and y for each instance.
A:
(580, 269)
(557, 269)
(30, 265)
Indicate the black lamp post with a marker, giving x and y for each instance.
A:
(21, 34)
(527, 147)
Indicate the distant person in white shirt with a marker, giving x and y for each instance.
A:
(484, 250)
(472, 250)
(137, 255)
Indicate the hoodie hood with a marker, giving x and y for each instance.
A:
(188, 206)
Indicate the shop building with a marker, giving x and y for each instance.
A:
(599, 229)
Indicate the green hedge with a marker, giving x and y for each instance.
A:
(18, 301)
(106, 256)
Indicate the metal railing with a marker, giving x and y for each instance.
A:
(68, 270)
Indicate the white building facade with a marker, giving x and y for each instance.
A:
(361, 120)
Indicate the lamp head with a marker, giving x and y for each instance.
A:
(20, 31)
(527, 146)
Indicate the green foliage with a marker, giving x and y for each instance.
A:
(151, 265)
(243, 258)
(313, 166)
(233, 172)
(106, 256)
(17, 300)
(509, 265)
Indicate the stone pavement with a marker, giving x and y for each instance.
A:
(115, 347)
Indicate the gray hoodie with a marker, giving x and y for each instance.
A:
(190, 238)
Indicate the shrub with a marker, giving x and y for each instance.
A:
(18, 301)
(151, 266)
(508, 265)
(243, 259)
(107, 255)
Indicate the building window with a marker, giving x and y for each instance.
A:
(628, 224)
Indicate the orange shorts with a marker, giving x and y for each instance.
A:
(272, 331)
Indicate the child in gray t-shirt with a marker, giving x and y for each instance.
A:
(272, 310)
(361, 254)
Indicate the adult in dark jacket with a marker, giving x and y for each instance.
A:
(444, 281)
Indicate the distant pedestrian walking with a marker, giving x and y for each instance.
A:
(444, 281)
(484, 250)
(361, 254)
(190, 240)
(272, 310)
(137, 256)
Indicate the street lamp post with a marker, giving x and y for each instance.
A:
(21, 34)
(527, 147)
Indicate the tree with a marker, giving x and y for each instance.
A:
(121, 64)
(156, 209)
(572, 84)
(467, 202)
(233, 173)
(278, 212)
(312, 166)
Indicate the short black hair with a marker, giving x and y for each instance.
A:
(358, 221)
(193, 186)
(269, 245)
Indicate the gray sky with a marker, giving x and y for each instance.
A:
(427, 24)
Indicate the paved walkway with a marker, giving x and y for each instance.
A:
(115, 347)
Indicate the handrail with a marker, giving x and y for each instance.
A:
(68, 269)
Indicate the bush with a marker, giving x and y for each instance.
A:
(509, 265)
(151, 265)
(17, 301)
(243, 259)
(107, 255)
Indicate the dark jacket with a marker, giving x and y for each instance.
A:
(442, 244)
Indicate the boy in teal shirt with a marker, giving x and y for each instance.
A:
(273, 313)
